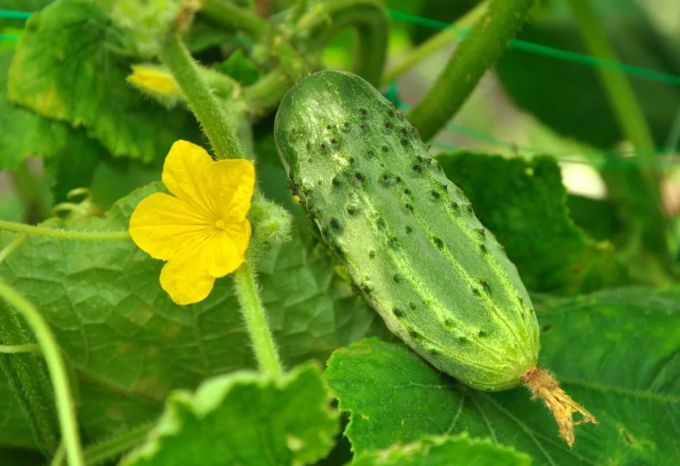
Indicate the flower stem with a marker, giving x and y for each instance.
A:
(458, 29)
(216, 124)
(644, 203)
(478, 51)
(256, 321)
(64, 234)
(57, 370)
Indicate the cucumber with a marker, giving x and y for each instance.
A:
(407, 235)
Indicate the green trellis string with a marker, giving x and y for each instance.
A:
(517, 44)
(552, 52)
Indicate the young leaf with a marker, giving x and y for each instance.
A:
(459, 450)
(616, 352)
(246, 419)
(524, 204)
(80, 80)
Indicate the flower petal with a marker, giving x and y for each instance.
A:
(228, 248)
(185, 278)
(185, 174)
(233, 182)
(161, 225)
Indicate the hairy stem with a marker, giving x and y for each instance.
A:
(231, 16)
(63, 234)
(644, 203)
(256, 321)
(478, 51)
(217, 125)
(458, 29)
(367, 17)
(57, 370)
(223, 133)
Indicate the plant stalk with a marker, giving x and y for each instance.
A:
(644, 203)
(255, 318)
(457, 30)
(477, 52)
(57, 369)
(219, 129)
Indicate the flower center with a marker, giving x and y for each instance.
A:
(220, 224)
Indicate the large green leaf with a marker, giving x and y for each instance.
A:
(71, 156)
(245, 419)
(119, 329)
(459, 450)
(79, 79)
(524, 203)
(616, 352)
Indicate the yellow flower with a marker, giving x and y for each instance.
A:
(202, 232)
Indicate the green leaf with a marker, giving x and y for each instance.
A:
(240, 67)
(22, 457)
(80, 80)
(597, 217)
(459, 450)
(569, 97)
(615, 352)
(246, 419)
(119, 329)
(524, 203)
(15, 430)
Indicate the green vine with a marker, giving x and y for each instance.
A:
(476, 53)
(367, 17)
(233, 17)
(458, 29)
(57, 370)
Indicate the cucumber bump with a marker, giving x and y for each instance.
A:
(410, 239)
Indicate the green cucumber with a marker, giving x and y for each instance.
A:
(407, 235)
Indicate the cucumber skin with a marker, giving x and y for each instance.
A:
(407, 235)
